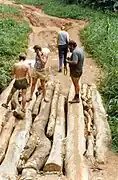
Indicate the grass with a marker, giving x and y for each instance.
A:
(100, 38)
(8, 9)
(13, 40)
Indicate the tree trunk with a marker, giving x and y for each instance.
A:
(38, 158)
(37, 106)
(84, 92)
(88, 121)
(5, 135)
(103, 136)
(53, 114)
(55, 160)
(75, 144)
(51, 177)
(28, 151)
(90, 148)
(19, 138)
(5, 93)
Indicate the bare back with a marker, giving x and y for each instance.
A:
(20, 70)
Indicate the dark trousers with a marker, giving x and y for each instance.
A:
(62, 49)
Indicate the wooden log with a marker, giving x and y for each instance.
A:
(5, 135)
(37, 106)
(84, 92)
(55, 160)
(89, 92)
(103, 136)
(89, 120)
(75, 144)
(28, 151)
(51, 177)
(38, 158)
(53, 114)
(3, 99)
(5, 93)
(90, 148)
(19, 138)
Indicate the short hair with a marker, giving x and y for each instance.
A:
(62, 27)
(37, 47)
(71, 42)
(22, 56)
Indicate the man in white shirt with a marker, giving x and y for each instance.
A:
(62, 41)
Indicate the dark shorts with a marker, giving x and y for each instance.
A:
(75, 74)
(21, 84)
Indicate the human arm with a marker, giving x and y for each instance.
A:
(74, 59)
(67, 37)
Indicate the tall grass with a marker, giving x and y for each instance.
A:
(13, 40)
(100, 38)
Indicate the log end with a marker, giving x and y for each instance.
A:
(52, 167)
(28, 174)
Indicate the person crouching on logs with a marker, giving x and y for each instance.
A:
(20, 71)
(75, 62)
(39, 71)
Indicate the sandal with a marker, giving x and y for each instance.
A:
(5, 105)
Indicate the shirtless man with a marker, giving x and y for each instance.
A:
(20, 71)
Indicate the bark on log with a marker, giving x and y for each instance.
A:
(37, 160)
(75, 145)
(53, 114)
(89, 92)
(51, 177)
(84, 92)
(55, 160)
(28, 151)
(90, 148)
(36, 106)
(89, 121)
(19, 138)
(103, 137)
(5, 135)
(5, 93)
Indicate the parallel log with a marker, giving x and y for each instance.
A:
(89, 92)
(55, 160)
(90, 148)
(51, 177)
(5, 93)
(84, 92)
(88, 120)
(53, 114)
(19, 138)
(103, 136)
(5, 135)
(75, 144)
(36, 106)
(28, 151)
(38, 158)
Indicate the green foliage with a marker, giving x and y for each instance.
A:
(102, 4)
(13, 40)
(31, 2)
(6, 8)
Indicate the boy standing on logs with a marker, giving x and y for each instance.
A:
(75, 62)
(20, 71)
(62, 42)
(39, 71)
